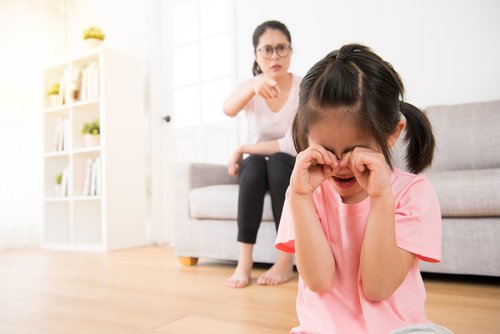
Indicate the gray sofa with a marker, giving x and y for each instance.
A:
(465, 174)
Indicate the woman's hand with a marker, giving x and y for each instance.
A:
(370, 170)
(233, 166)
(265, 87)
(312, 167)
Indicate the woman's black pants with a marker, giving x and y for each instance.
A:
(259, 174)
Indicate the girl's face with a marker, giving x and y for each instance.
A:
(273, 53)
(339, 136)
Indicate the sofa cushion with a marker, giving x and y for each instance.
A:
(220, 202)
(467, 193)
(467, 135)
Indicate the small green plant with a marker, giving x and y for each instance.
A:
(91, 128)
(94, 32)
(59, 178)
(54, 89)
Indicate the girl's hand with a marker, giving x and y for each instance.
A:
(265, 87)
(370, 170)
(312, 167)
(233, 166)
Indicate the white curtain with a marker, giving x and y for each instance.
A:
(33, 35)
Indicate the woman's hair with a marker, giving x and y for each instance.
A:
(261, 29)
(357, 84)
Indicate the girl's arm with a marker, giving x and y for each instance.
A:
(314, 258)
(383, 265)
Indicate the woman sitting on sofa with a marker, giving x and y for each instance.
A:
(269, 100)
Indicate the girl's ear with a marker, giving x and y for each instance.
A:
(393, 138)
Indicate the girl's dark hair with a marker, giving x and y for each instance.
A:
(363, 87)
(261, 29)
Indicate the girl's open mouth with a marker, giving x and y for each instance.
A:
(344, 183)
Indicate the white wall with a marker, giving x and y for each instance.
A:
(446, 51)
(32, 34)
(123, 21)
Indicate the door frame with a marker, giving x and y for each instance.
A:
(162, 134)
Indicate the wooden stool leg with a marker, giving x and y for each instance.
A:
(188, 261)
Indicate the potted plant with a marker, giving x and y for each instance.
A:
(91, 131)
(53, 94)
(93, 36)
(57, 186)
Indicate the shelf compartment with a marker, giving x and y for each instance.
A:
(84, 112)
(87, 222)
(89, 78)
(52, 75)
(53, 166)
(80, 165)
(57, 223)
(53, 127)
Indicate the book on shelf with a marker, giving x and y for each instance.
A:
(90, 82)
(61, 134)
(92, 177)
(86, 182)
(98, 176)
(70, 84)
(62, 88)
(57, 134)
(64, 182)
(65, 134)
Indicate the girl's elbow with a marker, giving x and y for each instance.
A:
(376, 293)
(321, 286)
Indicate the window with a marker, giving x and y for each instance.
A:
(201, 62)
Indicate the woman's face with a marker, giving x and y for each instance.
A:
(273, 53)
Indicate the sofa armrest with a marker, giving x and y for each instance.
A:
(190, 176)
(196, 175)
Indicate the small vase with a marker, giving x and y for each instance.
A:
(57, 190)
(53, 100)
(91, 140)
(93, 42)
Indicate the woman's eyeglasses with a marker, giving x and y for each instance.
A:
(282, 50)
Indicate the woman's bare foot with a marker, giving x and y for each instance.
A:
(242, 274)
(240, 277)
(279, 273)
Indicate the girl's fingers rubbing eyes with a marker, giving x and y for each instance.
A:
(327, 170)
(344, 161)
(317, 155)
(334, 159)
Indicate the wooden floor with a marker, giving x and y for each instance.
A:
(145, 290)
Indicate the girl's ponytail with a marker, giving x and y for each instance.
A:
(419, 138)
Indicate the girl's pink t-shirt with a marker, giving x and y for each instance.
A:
(345, 309)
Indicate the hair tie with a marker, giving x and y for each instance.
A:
(340, 56)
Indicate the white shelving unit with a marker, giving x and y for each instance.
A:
(116, 217)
